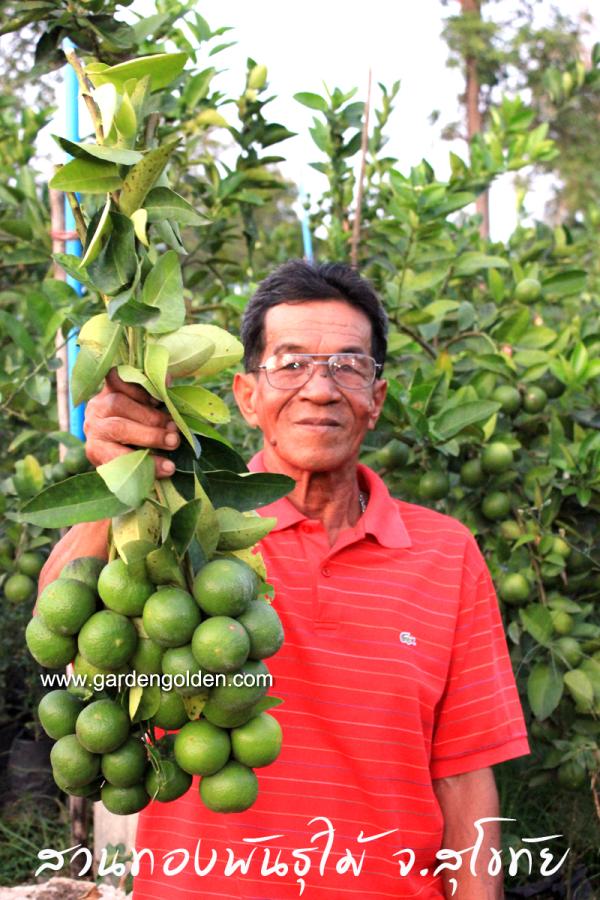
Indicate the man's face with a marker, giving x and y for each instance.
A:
(320, 426)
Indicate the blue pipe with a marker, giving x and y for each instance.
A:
(76, 413)
(306, 235)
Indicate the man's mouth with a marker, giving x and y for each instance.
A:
(320, 423)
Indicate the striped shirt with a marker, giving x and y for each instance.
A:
(394, 672)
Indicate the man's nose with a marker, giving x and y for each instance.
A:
(320, 385)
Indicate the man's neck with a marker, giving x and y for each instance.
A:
(332, 497)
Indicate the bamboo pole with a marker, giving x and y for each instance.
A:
(361, 180)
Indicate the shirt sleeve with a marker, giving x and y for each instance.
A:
(479, 720)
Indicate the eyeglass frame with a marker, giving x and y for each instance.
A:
(378, 367)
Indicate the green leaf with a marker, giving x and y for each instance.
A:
(163, 289)
(99, 341)
(237, 531)
(193, 400)
(566, 283)
(130, 477)
(156, 361)
(94, 242)
(513, 328)
(163, 203)
(537, 622)
(544, 690)
(183, 525)
(313, 101)
(18, 333)
(71, 265)
(162, 68)
(82, 498)
(249, 491)
(116, 265)
(88, 176)
(580, 688)
(106, 100)
(186, 351)
(143, 176)
(536, 337)
(147, 705)
(80, 150)
(265, 703)
(470, 262)
(450, 422)
(228, 350)
(134, 376)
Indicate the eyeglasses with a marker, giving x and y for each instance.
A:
(290, 371)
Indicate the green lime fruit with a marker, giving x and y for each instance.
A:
(240, 690)
(514, 588)
(90, 791)
(392, 455)
(528, 290)
(170, 617)
(180, 664)
(561, 548)
(553, 387)
(220, 644)
(123, 591)
(171, 713)
(53, 651)
(572, 774)
(30, 563)
(126, 765)
(124, 801)
(75, 461)
(172, 782)
(147, 659)
(510, 530)
(579, 561)
(85, 568)
(496, 506)
(202, 748)
(433, 486)
(508, 397)
(568, 649)
(102, 726)
(92, 677)
(73, 764)
(225, 587)
(57, 712)
(534, 399)
(233, 788)
(19, 588)
(471, 473)
(65, 605)
(227, 718)
(562, 622)
(496, 458)
(258, 742)
(108, 639)
(264, 629)
(59, 473)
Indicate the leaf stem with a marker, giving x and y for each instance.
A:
(77, 215)
(86, 86)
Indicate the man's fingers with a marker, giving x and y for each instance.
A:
(135, 391)
(105, 451)
(118, 404)
(123, 431)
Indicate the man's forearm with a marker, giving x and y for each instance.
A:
(87, 539)
(463, 800)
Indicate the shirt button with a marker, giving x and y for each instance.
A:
(326, 571)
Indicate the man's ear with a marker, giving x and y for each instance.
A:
(245, 387)
(379, 392)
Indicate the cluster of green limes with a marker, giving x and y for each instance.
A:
(110, 619)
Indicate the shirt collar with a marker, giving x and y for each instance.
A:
(382, 518)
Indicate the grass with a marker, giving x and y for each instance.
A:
(26, 827)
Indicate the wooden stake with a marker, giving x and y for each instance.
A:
(57, 224)
(361, 180)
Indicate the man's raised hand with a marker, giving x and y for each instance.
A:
(123, 416)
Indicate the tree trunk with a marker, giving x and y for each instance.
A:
(474, 114)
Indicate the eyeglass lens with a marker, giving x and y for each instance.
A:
(349, 370)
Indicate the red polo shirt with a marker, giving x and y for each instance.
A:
(394, 671)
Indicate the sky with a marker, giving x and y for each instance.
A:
(336, 42)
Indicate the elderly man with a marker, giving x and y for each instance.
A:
(399, 695)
